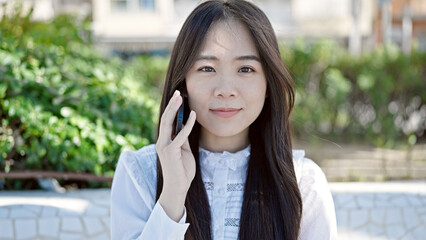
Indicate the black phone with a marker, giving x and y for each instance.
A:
(179, 116)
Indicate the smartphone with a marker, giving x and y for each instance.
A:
(179, 116)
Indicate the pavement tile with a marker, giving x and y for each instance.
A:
(415, 201)
(344, 234)
(363, 231)
(408, 236)
(72, 224)
(342, 218)
(107, 222)
(421, 210)
(342, 198)
(93, 225)
(6, 228)
(362, 213)
(36, 209)
(350, 234)
(370, 196)
(377, 238)
(393, 216)
(423, 217)
(377, 216)
(365, 201)
(395, 231)
(19, 212)
(68, 213)
(4, 213)
(383, 201)
(400, 201)
(375, 230)
(48, 211)
(352, 204)
(96, 193)
(49, 227)
(384, 196)
(423, 199)
(411, 218)
(71, 236)
(358, 218)
(25, 228)
(419, 232)
(103, 236)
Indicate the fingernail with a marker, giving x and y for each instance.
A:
(176, 93)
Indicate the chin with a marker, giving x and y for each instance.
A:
(225, 132)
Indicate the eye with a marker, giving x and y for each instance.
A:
(206, 69)
(246, 70)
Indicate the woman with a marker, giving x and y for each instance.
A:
(230, 173)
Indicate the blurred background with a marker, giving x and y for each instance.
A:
(81, 81)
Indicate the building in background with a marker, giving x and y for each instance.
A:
(129, 25)
(134, 26)
(45, 10)
(401, 22)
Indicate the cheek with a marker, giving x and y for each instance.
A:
(190, 89)
(195, 98)
(256, 92)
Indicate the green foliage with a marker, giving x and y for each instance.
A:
(65, 107)
(378, 98)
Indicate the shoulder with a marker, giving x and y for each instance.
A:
(318, 217)
(144, 158)
(306, 168)
(140, 165)
(310, 177)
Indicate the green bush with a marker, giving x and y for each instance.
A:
(378, 98)
(63, 106)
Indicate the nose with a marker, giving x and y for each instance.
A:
(225, 86)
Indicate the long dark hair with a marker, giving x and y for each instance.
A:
(272, 205)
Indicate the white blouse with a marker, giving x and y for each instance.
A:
(136, 215)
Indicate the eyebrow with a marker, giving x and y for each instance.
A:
(240, 58)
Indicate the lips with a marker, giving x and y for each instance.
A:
(225, 112)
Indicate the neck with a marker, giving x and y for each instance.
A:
(231, 144)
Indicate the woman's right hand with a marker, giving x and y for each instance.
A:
(176, 158)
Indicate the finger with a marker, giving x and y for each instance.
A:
(169, 107)
(167, 118)
(186, 146)
(186, 130)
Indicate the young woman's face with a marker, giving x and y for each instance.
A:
(226, 85)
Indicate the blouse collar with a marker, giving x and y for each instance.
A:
(231, 160)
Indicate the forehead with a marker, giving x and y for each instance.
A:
(229, 37)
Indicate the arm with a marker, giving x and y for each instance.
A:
(319, 217)
(131, 199)
(133, 215)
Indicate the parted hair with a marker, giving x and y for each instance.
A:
(272, 204)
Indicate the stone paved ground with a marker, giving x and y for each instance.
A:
(389, 210)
